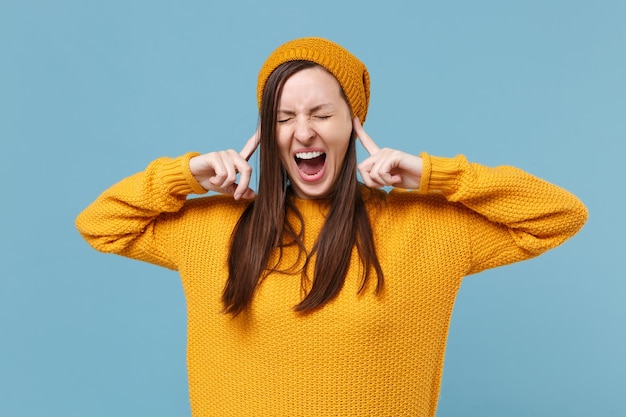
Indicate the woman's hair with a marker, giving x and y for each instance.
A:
(264, 225)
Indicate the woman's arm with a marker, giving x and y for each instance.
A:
(518, 215)
(513, 215)
(120, 216)
(123, 219)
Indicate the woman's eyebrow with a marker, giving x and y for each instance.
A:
(312, 109)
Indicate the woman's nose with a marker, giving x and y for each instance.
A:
(303, 131)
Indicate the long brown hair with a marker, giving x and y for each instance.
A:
(263, 226)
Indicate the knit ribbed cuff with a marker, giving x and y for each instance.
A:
(177, 177)
(440, 174)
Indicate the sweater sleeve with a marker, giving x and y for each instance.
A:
(122, 220)
(515, 215)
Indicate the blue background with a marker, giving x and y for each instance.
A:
(92, 91)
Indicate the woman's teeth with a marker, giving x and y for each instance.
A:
(309, 155)
(310, 163)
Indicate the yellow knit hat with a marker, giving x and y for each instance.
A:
(347, 69)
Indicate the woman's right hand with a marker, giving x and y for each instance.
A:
(217, 171)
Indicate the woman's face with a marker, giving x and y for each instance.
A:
(313, 132)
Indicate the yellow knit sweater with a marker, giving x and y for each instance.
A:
(362, 354)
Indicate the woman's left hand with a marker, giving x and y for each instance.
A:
(386, 166)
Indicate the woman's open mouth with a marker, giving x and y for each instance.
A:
(311, 164)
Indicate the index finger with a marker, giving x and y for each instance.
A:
(251, 144)
(365, 139)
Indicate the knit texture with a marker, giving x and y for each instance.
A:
(361, 354)
(347, 69)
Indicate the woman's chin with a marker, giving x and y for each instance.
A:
(308, 191)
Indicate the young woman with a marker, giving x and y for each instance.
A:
(317, 295)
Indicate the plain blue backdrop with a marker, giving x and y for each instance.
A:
(92, 91)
